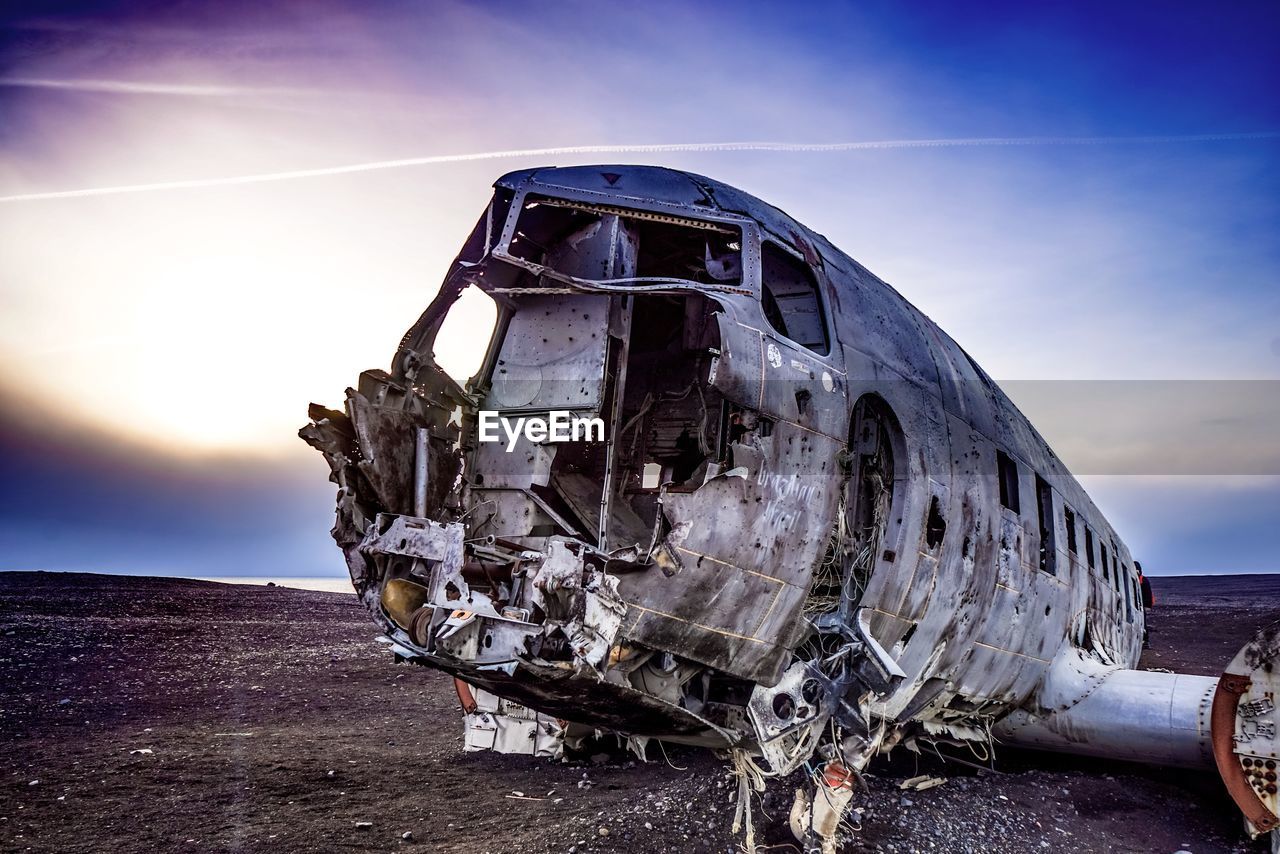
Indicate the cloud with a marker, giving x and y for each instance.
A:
(144, 87)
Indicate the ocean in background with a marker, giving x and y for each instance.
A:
(323, 583)
(327, 584)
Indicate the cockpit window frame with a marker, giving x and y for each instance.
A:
(747, 228)
(753, 237)
(824, 314)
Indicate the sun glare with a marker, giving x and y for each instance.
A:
(211, 328)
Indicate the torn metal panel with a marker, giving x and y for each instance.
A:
(552, 356)
(729, 598)
(583, 604)
(493, 723)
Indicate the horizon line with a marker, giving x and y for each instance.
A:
(222, 579)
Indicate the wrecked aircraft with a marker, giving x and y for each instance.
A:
(811, 529)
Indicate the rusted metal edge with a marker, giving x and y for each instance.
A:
(1222, 727)
(465, 696)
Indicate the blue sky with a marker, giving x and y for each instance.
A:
(158, 349)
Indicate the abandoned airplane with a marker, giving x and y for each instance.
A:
(809, 527)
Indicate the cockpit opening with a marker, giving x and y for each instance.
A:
(552, 233)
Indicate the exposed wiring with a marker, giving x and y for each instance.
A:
(670, 764)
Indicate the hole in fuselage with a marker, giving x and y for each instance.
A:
(867, 527)
(936, 527)
(811, 691)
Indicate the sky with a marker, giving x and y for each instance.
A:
(1115, 269)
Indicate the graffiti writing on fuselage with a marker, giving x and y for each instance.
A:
(787, 496)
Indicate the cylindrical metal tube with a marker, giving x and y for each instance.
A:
(420, 460)
(1138, 715)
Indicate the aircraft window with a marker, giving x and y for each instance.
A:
(936, 527)
(561, 234)
(791, 301)
(1069, 516)
(1106, 575)
(1048, 553)
(487, 230)
(1115, 566)
(470, 321)
(651, 477)
(1128, 602)
(1088, 545)
(1008, 470)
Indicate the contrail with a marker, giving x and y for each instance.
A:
(658, 148)
(146, 87)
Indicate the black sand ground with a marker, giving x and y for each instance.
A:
(157, 715)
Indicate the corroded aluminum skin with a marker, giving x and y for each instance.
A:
(988, 622)
(974, 624)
